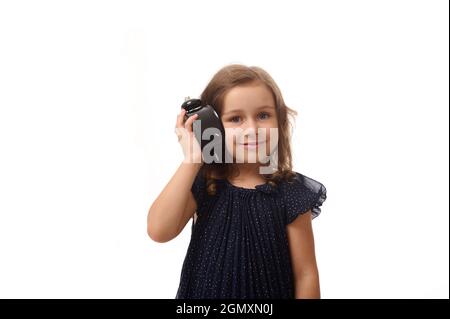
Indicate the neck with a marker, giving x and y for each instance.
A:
(247, 170)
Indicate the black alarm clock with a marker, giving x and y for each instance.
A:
(212, 142)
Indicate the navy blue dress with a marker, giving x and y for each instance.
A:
(239, 247)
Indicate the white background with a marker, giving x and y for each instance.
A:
(89, 93)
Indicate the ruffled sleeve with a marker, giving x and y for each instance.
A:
(301, 195)
(198, 190)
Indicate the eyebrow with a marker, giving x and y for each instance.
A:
(259, 108)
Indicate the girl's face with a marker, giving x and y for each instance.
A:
(250, 121)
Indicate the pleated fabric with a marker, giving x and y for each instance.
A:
(239, 247)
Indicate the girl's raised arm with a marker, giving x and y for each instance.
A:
(175, 205)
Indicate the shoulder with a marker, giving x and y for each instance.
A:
(301, 194)
(198, 187)
(199, 180)
(302, 182)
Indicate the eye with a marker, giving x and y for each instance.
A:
(264, 115)
(235, 119)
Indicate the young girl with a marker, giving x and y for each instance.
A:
(251, 231)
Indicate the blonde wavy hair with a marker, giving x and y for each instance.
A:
(224, 80)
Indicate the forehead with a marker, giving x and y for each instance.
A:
(248, 96)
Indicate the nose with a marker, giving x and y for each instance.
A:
(250, 130)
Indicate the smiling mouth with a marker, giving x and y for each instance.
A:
(252, 144)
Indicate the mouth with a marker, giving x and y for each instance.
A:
(252, 145)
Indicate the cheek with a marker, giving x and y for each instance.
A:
(270, 135)
(229, 139)
(269, 123)
(231, 136)
(267, 129)
(272, 130)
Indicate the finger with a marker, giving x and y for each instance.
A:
(180, 118)
(190, 120)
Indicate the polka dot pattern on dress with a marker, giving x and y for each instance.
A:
(239, 247)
